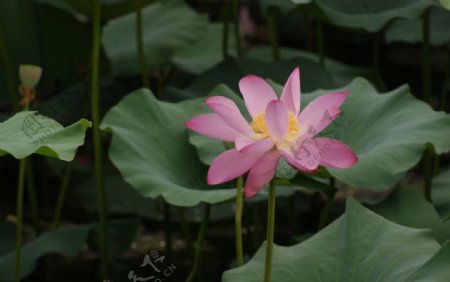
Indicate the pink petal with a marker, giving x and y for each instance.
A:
(304, 157)
(241, 142)
(233, 163)
(230, 114)
(335, 153)
(291, 92)
(277, 119)
(261, 173)
(322, 111)
(212, 126)
(257, 93)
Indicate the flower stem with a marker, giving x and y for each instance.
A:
(95, 113)
(237, 36)
(140, 43)
(376, 61)
(238, 221)
(199, 244)
(62, 195)
(226, 27)
(326, 210)
(320, 42)
(270, 231)
(272, 14)
(428, 173)
(20, 192)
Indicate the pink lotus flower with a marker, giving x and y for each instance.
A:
(278, 130)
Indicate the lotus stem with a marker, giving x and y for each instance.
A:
(140, 43)
(326, 210)
(62, 195)
(272, 14)
(199, 244)
(19, 228)
(98, 158)
(238, 221)
(376, 62)
(270, 231)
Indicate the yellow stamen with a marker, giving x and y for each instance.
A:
(259, 126)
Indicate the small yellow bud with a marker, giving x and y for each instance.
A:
(29, 75)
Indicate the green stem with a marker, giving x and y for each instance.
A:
(199, 244)
(62, 195)
(226, 27)
(428, 173)
(320, 42)
(270, 231)
(140, 44)
(19, 228)
(236, 25)
(273, 32)
(32, 196)
(376, 62)
(426, 66)
(98, 158)
(326, 210)
(238, 221)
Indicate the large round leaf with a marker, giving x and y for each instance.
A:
(150, 148)
(205, 52)
(411, 31)
(66, 240)
(166, 28)
(388, 132)
(341, 73)
(27, 133)
(371, 16)
(359, 246)
(230, 71)
(441, 193)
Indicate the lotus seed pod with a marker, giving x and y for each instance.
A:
(29, 75)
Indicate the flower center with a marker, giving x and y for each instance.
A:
(259, 126)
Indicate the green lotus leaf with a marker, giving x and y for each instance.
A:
(150, 148)
(359, 246)
(167, 27)
(397, 208)
(110, 8)
(411, 31)
(29, 133)
(445, 4)
(441, 193)
(66, 240)
(340, 73)
(205, 52)
(371, 16)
